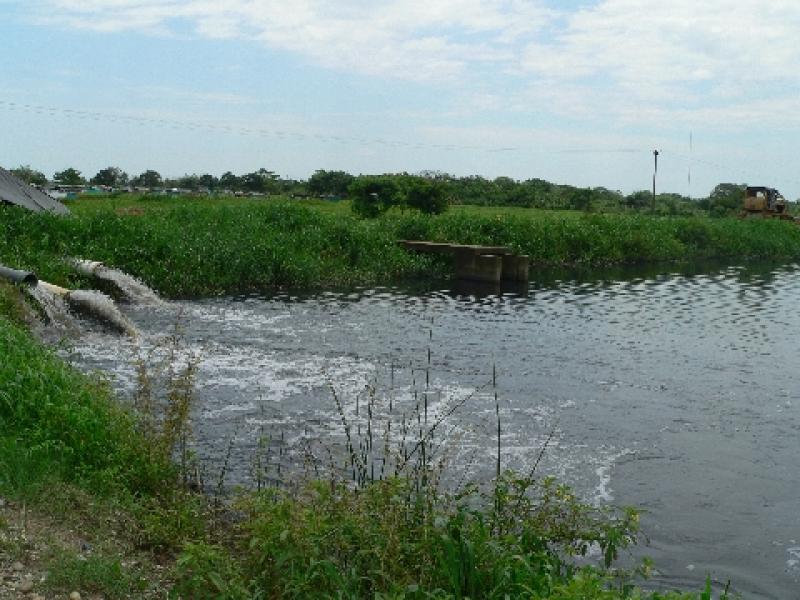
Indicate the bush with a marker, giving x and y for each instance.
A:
(426, 196)
(373, 195)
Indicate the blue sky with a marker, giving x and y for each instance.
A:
(573, 92)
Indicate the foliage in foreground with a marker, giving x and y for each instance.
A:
(391, 539)
(54, 418)
(525, 539)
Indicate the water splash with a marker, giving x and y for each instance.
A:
(53, 305)
(98, 305)
(132, 288)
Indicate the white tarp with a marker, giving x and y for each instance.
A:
(15, 191)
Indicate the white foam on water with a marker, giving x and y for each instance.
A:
(291, 397)
(793, 562)
(239, 318)
(229, 410)
(607, 458)
(275, 377)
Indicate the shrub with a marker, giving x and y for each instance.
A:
(373, 195)
(426, 196)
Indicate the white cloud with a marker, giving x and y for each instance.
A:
(414, 39)
(633, 61)
(678, 52)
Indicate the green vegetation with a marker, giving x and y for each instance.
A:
(373, 195)
(333, 183)
(202, 247)
(71, 454)
(185, 249)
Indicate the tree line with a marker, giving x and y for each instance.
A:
(428, 191)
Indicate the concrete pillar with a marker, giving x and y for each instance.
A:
(516, 268)
(478, 267)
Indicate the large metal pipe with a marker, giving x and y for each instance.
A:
(16, 276)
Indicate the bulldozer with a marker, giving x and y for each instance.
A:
(764, 202)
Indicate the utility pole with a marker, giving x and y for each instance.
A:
(655, 170)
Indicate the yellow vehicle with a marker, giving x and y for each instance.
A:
(764, 202)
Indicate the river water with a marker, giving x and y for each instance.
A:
(673, 390)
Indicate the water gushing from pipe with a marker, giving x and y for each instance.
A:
(51, 299)
(98, 305)
(132, 288)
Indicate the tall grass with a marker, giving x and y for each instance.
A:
(552, 238)
(200, 248)
(51, 414)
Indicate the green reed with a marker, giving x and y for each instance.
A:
(187, 247)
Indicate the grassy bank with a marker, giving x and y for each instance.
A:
(230, 246)
(92, 502)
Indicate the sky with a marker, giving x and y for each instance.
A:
(575, 92)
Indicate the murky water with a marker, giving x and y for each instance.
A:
(673, 391)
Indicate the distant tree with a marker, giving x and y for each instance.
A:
(149, 179)
(473, 189)
(208, 182)
(291, 187)
(425, 195)
(69, 176)
(229, 181)
(639, 199)
(329, 182)
(29, 175)
(261, 181)
(539, 193)
(436, 175)
(671, 203)
(373, 194)
(111, 177)
(189, 182)
(726, 198)
(603, 198)
(581, 199)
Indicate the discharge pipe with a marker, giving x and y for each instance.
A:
(16, 276)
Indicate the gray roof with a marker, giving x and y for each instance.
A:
(15, 191)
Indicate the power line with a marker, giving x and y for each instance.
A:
(282, 134)
(190, 125)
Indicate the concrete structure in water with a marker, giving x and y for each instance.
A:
(478, 263)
